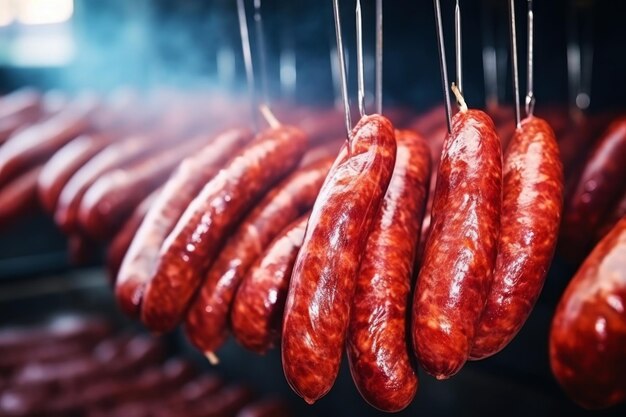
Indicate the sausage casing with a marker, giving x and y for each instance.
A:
(195, 241)
(324, 275)
(588, 332)
(460, 253)
(529, 226)
(377, 345)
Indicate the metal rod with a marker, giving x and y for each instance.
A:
(342, 68)
(247, 58)
(514, 60)
(442, 63)
(458, 47)
(584, 97)
(530, 94)
(359, 59)
(379, 56)
(260, 34)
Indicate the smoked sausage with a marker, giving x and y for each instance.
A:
(601, 184)
(257, 310)
(195, 242)
(324, 274)
(531, 213)
(207, 318)
(460, 254)
(377, 346)
(588, 332)
(180, 189)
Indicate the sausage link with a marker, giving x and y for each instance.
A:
(110, 200)
(257, 310)
(601, 184)
(195, 242)
(181, 188)
(123, 238)
(324, 275)
(19, 197)
(64, 163)
(460, 253)
(32, 146)
(377, 344)
(588, 332)
(531, 213)
(207, 319)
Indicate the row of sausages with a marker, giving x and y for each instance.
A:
(321, 254)
(78, 367)
(273, 237)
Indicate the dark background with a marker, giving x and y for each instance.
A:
(145, 44)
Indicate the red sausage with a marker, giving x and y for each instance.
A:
(257, 310)
(19, 197)
(589, 327)
(123, 238)
(460, 253)
(199, 234)
(531, 213)
(116, 155)
(183, 186)
(64, 163)
(377, 344)
(207, 318)
(34, 145)
(324, 275)
(601, 184)
(112, 197)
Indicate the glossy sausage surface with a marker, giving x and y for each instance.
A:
(588, 332)
(529, 226)
(460, 254)
(324, 275)
(201, 231)
(377, 345)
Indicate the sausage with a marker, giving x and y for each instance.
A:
(110, 200)
(324, 274)
(257, 310)
(182, 187)
(377, 346)
(34, 145)
(19, 197)
(199, 234)
(531, 214)
(119, 154)
(63, 164)
(123, 238)
(207, 319)
(601, 184)
(460, 253)
(588, 331)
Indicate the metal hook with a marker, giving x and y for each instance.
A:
(359, 59)
(379, 56)
(442, 63)
(342, 68)
(514, 61)
(530, 94)
(247, 58)
(458, 47)
(258, 23)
